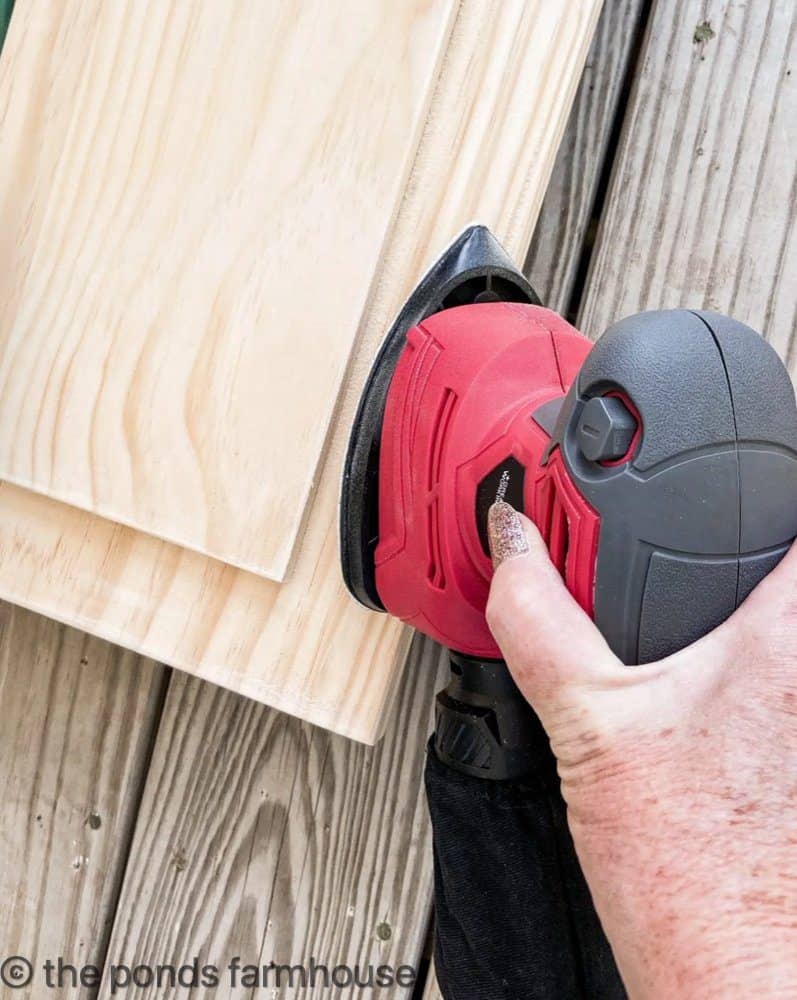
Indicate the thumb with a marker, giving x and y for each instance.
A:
(552, 648)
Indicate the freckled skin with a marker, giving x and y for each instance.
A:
(680, 779)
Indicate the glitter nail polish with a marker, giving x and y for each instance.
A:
(506, 534)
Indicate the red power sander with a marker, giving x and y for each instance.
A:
(659, 464)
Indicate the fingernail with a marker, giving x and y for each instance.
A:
(506, 534)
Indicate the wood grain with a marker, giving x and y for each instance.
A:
(72, 763)
(265, 838)
(496, 116)
(194, 205)
(431, 989)
(701, 209)
(553, 258)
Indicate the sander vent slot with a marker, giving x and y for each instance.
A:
(560, 537)
(440, 427)
(434, 570)
(544, 507)
(445, 410)
(554, 523)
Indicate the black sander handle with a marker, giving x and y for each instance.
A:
(483, 724)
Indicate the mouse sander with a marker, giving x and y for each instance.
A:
(658, 463)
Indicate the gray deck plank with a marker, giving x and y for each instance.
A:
(432, 989)
(553, 257)
(78, 720)
(701, 206)
(266, 838)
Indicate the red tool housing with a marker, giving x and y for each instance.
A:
(459, 432)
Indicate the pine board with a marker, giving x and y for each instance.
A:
(194, 204)
(495, 118)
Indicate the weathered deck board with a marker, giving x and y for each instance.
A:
(553, 256)
(432, 990)
(264, 837)
(701, 208)
(72, 763)
(79, 719)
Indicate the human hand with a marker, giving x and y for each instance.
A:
(680, 777)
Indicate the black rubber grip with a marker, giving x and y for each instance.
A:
(483, 725)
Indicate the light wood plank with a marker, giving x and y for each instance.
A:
(194, 202)
(496, 116)
(72, 763)
(265, 838)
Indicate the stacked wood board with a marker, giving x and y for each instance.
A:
(208, 227)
